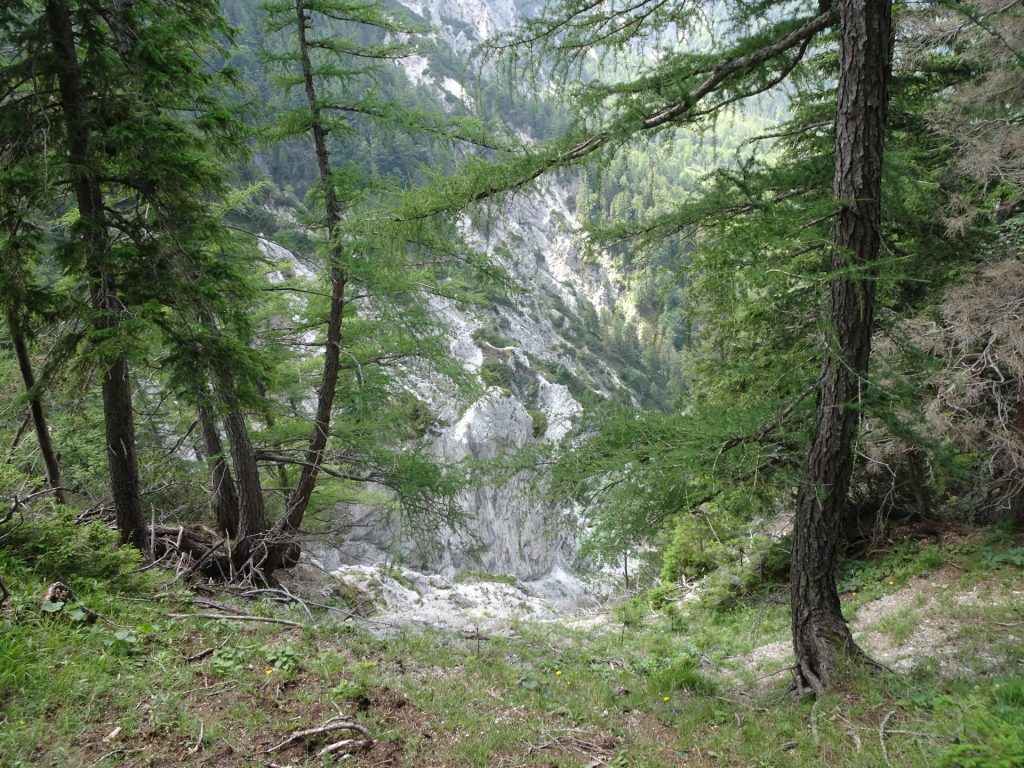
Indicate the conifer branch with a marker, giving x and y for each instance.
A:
(536, 165)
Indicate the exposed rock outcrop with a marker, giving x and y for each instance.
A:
(526, 348)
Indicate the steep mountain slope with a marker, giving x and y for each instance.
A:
(536, 354)
(516, 349)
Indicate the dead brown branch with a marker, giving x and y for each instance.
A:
(332, 725)
(205, 652)
(235, 617)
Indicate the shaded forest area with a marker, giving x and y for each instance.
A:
(823, 332)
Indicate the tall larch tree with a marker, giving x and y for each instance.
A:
(93, 231)
(143, 142)
(327, 62)
(24, 301)
(820, 633)
(328, 55)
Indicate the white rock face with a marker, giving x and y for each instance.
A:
(493, 424)
(399, 597)
(287, 263)
(460, 330)
(536, 238)
(512, 530)
(465, 24)
(559, 406)
(415, 68)
(454, 87)
(541, 224)
(403, 596)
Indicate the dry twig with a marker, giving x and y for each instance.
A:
(881, 737)
(199, 742)
(205, 652)
(242, 617)
(334, 724)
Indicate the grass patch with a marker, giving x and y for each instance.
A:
(470, 575)
(645, 689)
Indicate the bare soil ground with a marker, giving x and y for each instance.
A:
(927, 619)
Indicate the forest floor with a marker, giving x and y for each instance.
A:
(163, 677)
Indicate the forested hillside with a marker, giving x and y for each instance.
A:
(471, 382)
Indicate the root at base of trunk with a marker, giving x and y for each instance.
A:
(817, 657)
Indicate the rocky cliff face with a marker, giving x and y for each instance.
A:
(527, 350)
(511, 528)
(512, 532)
(464, 24)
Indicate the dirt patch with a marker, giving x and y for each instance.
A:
(395, 707)
(929, 628)
(383, 754)
(769, 654)
(907, 626)
(645, 728)
(917, 591)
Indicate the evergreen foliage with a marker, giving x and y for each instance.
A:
(145, 196)
(178, 284)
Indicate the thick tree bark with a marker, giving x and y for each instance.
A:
(222, 485)
(820, 633)
(299, 498)
(117, 393)
(53, 476)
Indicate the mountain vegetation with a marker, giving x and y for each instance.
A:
(233, 239)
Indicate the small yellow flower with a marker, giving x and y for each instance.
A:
(269, 671)
(854, 592)
(890, 581)
(664, 698)
(558, 672)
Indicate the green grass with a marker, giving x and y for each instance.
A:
(646, 689)
(470, 575)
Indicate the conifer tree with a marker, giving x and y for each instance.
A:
(23, 187)
(820, 632)
(222, 484)
(95, 234)
(327, 59)
(126, 95)
(21, 303)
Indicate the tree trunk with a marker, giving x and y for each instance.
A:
(299, 498)
(53, 476)
(222, 485)
(820, 633)
(117, 393)
(251, 544)
(121, 454)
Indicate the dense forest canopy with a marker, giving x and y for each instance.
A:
(230, 235)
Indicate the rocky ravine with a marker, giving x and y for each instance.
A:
(512, 531)
(389, 598)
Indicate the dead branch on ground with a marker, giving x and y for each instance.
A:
(332, 725)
